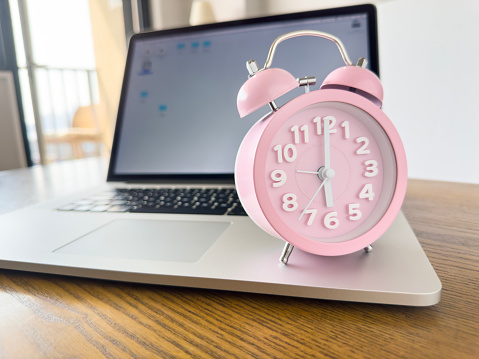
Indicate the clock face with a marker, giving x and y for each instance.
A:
(330, 174)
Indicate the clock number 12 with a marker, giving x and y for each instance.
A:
(332, 123)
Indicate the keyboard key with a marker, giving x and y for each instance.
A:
(83, 208)
(101, 208)
(237, 211)
(119, 209)
(83, 202)
(68, 207)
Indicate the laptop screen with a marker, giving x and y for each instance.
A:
(178, 116)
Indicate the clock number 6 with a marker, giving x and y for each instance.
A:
(331, 221)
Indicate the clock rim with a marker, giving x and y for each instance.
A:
(261, 183)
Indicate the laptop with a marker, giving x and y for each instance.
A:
(168, 213)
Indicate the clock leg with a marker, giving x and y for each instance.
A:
(368, 249)
(288, 248)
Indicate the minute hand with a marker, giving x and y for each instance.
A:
(328, 192)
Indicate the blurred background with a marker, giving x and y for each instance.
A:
(61, 68)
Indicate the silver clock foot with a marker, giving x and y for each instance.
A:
(368, 249)
(288, 248)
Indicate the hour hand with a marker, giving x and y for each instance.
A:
(327, 174)
(328, 193)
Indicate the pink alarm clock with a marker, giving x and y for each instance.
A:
(327, 171)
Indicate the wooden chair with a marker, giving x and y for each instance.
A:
(86, 127)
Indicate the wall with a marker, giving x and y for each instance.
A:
(285, 6)
(12, 151)
(176, 13)
(109, 43)
(428, 51)
(167, 14)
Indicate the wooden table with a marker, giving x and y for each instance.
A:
(48, 316)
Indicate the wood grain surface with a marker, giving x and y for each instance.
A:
(48, 316)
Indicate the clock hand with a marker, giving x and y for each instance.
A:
(328, 192)
(323, 172)
(312, 172)
(327, 155)
(317, 191)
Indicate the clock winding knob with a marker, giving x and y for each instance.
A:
(362, 62)
(252, 67)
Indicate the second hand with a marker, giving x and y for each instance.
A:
(311, 201)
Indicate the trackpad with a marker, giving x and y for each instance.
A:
(158, 240)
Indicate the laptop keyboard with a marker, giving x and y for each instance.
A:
(217, 201)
